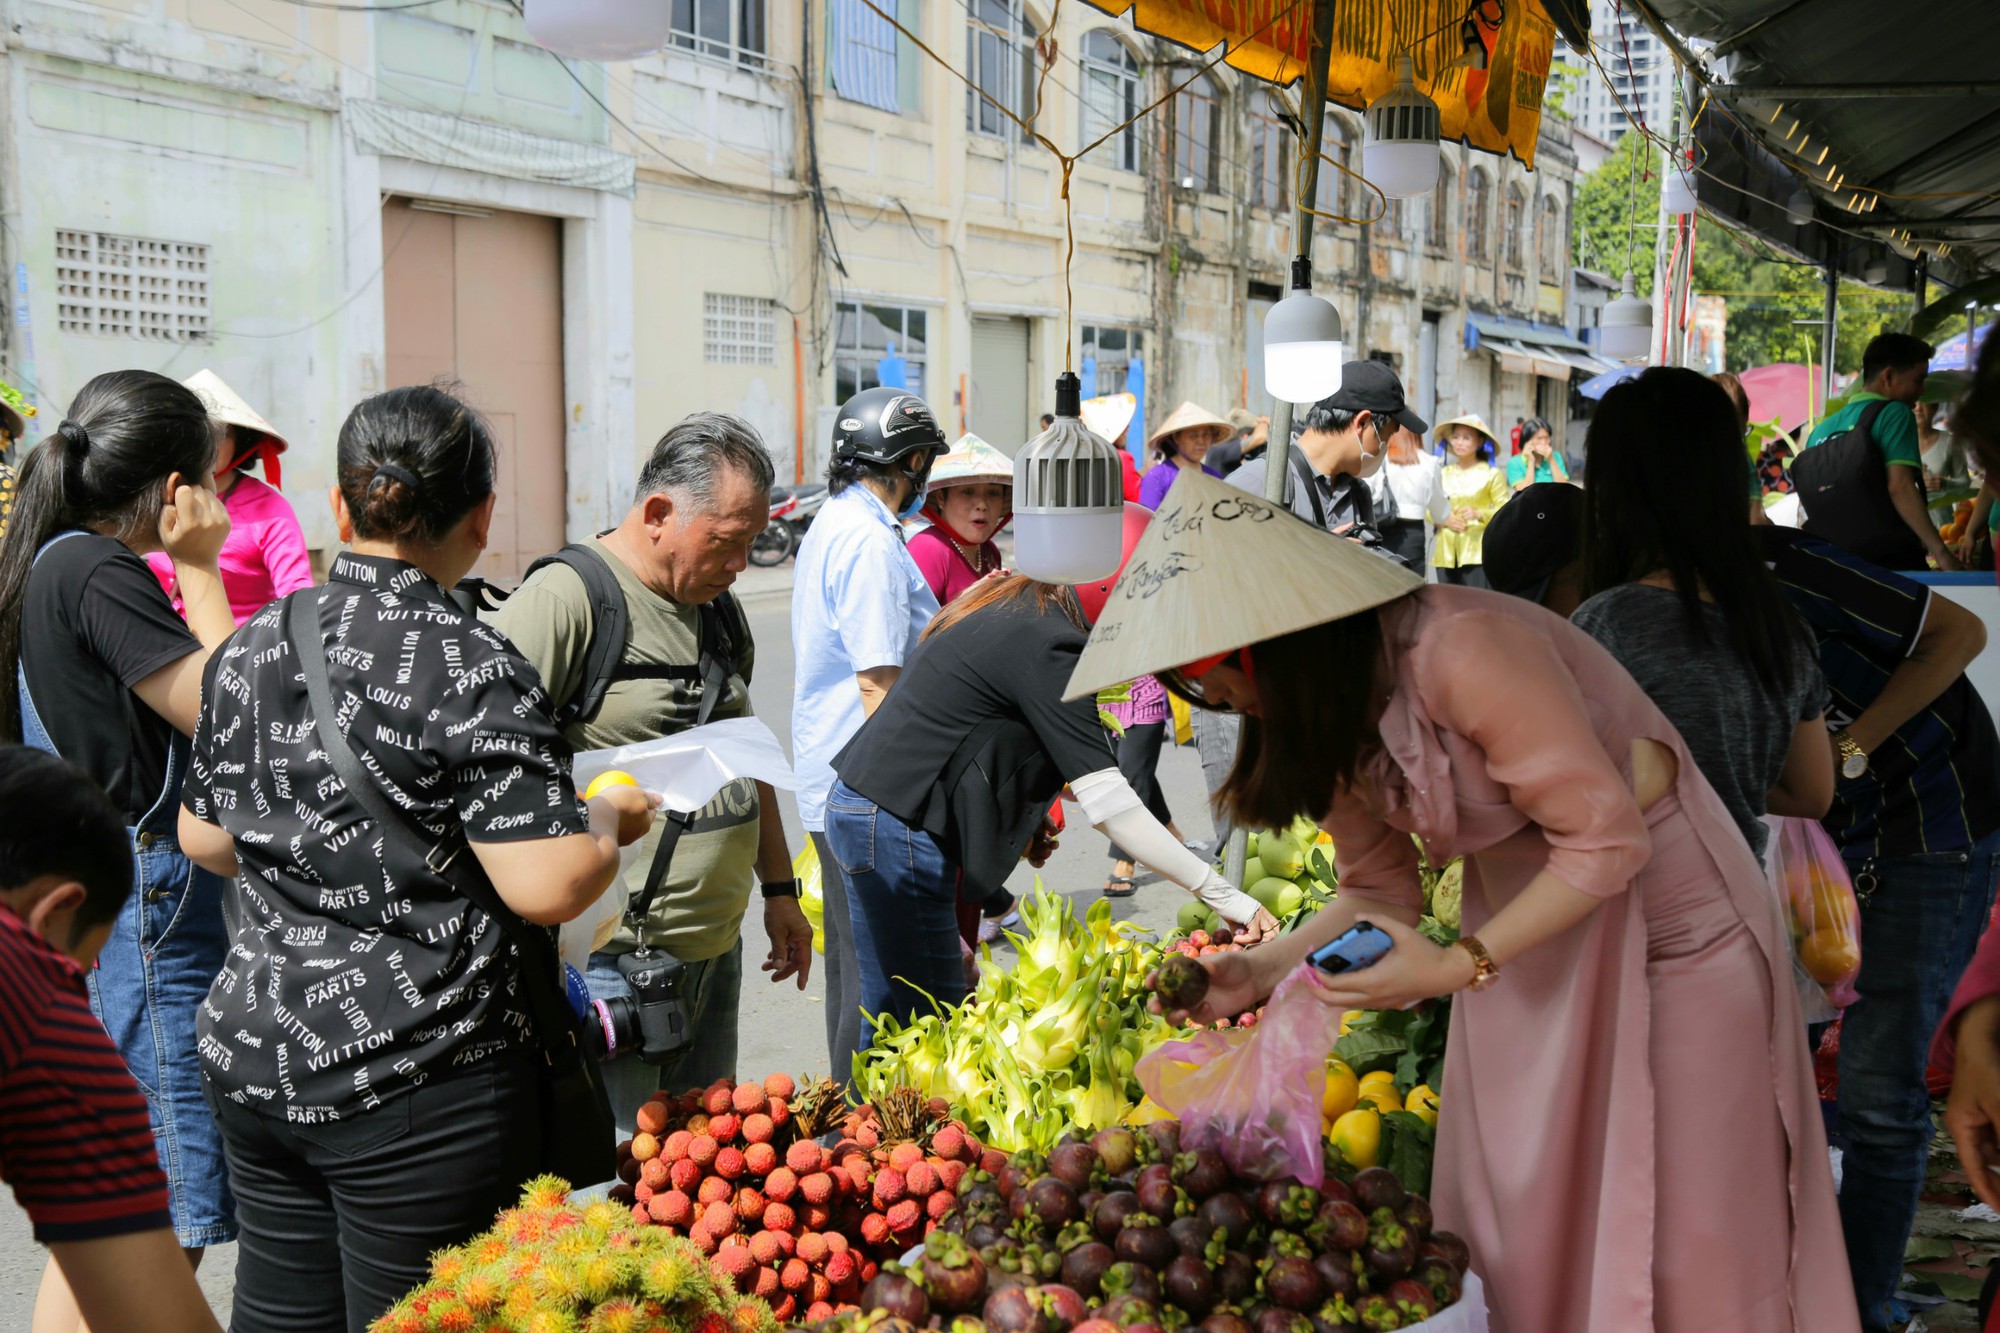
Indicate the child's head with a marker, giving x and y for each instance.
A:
(65, 856)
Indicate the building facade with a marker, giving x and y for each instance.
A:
(1636, 79)
(787, 204)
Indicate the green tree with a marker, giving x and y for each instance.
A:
(1614, 221)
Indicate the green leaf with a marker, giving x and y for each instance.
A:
(1955, 1286)
(1925, 1249)
(1408, 1145)
(1368, 1049)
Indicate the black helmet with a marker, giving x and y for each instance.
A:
(885, 426)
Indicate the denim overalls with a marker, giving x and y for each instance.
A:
(165, 949)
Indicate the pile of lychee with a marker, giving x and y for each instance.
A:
(787, 1219)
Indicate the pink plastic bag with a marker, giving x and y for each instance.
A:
(1253, 1094)
(1820, 908)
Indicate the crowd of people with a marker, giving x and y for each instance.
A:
(277, 930)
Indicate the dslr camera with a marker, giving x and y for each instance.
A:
(652, 1021)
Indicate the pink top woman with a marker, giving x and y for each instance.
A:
(265, 556)
(971, 497)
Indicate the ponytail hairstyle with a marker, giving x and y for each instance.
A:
(106, 465)
(413, 462)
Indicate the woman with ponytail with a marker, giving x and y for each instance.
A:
(105, 674)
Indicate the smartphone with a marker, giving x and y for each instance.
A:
(1359, 946)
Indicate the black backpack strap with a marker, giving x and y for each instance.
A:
(474, 596)
(1304, 478)
(548, 1008)
(610, 626)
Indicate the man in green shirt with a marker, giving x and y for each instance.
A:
(1893, 369)
(702, 497)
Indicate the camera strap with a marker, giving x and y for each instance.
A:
(449, 859)
(718, 663)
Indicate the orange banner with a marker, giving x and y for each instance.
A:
(1497, 109)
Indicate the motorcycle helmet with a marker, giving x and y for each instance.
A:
(1093, 596)
(884, 426)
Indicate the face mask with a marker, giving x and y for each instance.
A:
(1371, 463)
(920, 483)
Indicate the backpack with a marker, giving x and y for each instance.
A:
(722, 634)
(1843, 485)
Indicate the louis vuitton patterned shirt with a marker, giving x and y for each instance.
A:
(356, 972)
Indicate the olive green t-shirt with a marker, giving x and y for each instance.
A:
(698, 912)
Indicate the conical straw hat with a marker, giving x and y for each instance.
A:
(1442, 432)
(226, 405)
(972, 459)
(1185, 416)
(1219, 568)
(1107, 415)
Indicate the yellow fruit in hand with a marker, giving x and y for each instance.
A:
(1830, 955)
(1358, 1135)
(1422, 1103)
(1342, 1091)
(610, 777)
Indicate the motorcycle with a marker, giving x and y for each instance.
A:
(792, 513)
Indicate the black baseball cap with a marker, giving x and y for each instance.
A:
(1531, 537)
(1370, 386)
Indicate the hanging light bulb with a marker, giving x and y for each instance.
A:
(1625, 333)
(599, 29)
(1069, 498)
(1400, 155)
(1302, 342)
(1677, 191)
(1799, 208)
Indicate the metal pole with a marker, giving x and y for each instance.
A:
(1829, 332)
(1277, 454)
(1662, 307)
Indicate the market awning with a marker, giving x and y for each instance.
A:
(1898, 112)
(1479, 328)
(1270, 40)
(1521, 359)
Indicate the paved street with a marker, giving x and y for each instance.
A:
(782, 1029)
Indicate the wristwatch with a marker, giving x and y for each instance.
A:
(1853, 759)
(1484, 972)
(781, 888)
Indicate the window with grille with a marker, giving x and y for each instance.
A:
(1439, 231)
(1197, 117)
(1000, 60)
(1334, 192)
(1516, 223)
(727, 30)
(1110, 97)
(1108, 356)
(738, 330)
(1269, 168)
(876, 345)
(131, 287)
(1478, 217)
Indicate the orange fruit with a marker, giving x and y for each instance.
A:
(1833, 905)
(1830, 956)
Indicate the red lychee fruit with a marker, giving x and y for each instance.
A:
(749, 1203)
(836, 1241)
(688, 1102)
(729, 1163)
(949, 1174)
(662, 1209)
(780, 1217)
(780, 1086)
(643, 1193)
(904, 1218)
(757, 1128)
(803, 1157)
(869, 1268)
(717, 1098)
(640, 1215)
(734, 1264)
(788, 1243)
(816, 1218)
(645, 1147)
(818, 1312)
(714, 1189)
(857, 1172)
(764, 1248)
(786, 1307)
(814, 1249)
(720, 1219)
(748, 1097)
(938, 1207)
(702, 1149)
(628, 1171)
(653, 1172)
(891, 1186)
(684, 1175)
(652, 1118)
(760, 1159)
(841, 1267)
(875, 1229)
(697, 1123)
(781, 1184)
(818, 1287)
(780, 1113)
(796, 1275)
(922, 1178)
(905, 1155)
(675, 1145)
(725, 1128)
(816, 1189)
(949, 1143)
(703, 1238)
(767, 1284)
(993, 1161)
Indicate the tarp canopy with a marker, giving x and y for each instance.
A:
(1497, 109)
(1903, 101)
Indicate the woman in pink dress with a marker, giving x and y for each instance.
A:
(970, 497)
(265, 556)
(1629, 1137)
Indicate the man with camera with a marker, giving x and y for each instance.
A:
(668, 985)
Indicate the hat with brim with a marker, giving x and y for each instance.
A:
(228, 407)
(1472, 419)
(1220, 568)
(1186, 417)
(1108, 415)
(970, 460)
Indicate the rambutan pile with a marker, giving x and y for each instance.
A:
(738, 1169)
(553, 1264)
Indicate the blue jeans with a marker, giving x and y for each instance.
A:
(714, 995)
(1918, 931)
(903, 895)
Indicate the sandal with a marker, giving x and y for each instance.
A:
(1120, 886)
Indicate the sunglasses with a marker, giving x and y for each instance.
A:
(1188, 681)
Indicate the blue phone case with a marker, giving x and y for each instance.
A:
(1359, 946)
